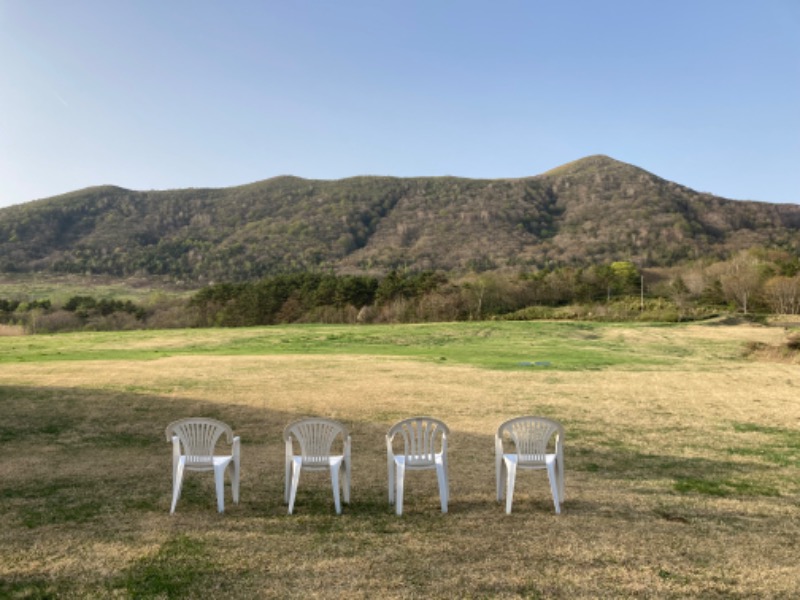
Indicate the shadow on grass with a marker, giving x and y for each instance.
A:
(94, 467)
(115, 444)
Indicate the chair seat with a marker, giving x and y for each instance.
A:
(412, 463)
(318, 465)
(550, 459)
(206, 464)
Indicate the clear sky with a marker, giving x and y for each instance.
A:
(162, 94)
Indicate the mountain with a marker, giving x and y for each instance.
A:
(594, 210)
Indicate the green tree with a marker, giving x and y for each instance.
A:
(625, 277)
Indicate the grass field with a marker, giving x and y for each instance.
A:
(60, 288)
(682, 463)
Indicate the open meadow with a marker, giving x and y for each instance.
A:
(682, 463)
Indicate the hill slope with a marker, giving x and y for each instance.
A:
(592, 210)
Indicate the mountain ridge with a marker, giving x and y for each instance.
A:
(592, 210)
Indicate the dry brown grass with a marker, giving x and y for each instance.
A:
(681, 481)
(11, 330)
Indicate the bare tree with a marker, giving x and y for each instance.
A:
(783, 295)
(742, 280)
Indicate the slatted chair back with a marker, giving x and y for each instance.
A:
(316, 438)
(423, 438)
(198, 437)
(531, 436)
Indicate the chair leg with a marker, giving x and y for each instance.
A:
(443, 492)
(390, 469)
(551, 476)
(446, 477)
(347, 482)
(501, 474)
(335, 484)
(295, 481)
(235, 481)
(219, 481)
(401, 471)
(511, 477)
(177, 482)
(287, 479)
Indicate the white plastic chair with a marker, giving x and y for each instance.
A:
(316, 438)
(424, 447)
(530, 437)
(193, 443)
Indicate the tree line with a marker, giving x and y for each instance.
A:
(753, 282)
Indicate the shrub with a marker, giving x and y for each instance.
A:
(331, 315)
(116, 321)
(173, 316)
(60, 320)
(442, 306)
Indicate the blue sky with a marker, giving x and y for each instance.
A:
(162, 94)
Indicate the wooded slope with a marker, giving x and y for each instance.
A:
(594, 210)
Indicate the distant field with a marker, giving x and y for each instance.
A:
(495, 345)
(60, 288)
(682, 458)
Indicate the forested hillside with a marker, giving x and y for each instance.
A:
(593, 211)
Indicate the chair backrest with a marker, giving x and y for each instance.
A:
(422, 438)
(198, 437)
(531, 436)
(316, 438)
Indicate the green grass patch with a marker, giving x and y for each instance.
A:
(722, 487)
(178, 569)
(48, 428)
(35, 588)
(494, 345)
(56, 501)
(776, 445)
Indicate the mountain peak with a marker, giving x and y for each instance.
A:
(588, 164)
